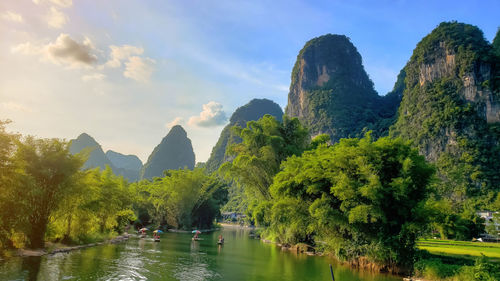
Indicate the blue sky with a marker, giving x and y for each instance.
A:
(125, 71)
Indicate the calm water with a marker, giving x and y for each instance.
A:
(176, 257)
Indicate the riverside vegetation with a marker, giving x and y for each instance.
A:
(45, 195)
(417, 163)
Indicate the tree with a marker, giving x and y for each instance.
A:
(363, 198)
(10, 215)
(265, 144)
(183, 198)
(48, 170)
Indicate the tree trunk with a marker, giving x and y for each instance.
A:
(66, 238)
(37, 235)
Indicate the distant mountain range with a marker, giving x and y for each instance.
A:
(127, 166)
(174, 152)
(446, 101)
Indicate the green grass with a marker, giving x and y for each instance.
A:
(460, 248)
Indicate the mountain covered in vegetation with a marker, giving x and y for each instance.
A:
(127, 165)
(251, 111)
(331, 93)
(450, 108)
(175, 151)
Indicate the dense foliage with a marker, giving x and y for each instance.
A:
(335, 194)
(340, 194)
(182, 199)
(252, 111)
(265, 143)
(45, 195)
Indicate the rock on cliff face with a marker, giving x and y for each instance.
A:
(174, 152)
(253, 110)
(330, 91)
(450, 103)
(127, 165)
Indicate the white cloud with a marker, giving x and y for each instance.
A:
(176, 121)
(12, 16)
(26, 49)
(139, 69)
(56, 18)
(64, 50)
(60, 3)
(122, 53)
(93, 77)
(12, 106)
(211, 116)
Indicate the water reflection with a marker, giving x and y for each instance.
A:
(32, 266)
(177, 257)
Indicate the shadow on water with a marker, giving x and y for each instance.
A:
(32, 266)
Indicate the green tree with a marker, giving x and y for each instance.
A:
(10, 207)
(184, 198)
(265, 144)
(49, 168)
(363, 198)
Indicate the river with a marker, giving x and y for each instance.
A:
(177, 257)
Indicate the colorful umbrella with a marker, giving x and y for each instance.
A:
(157, 231)
(143, 229)
(196, 231)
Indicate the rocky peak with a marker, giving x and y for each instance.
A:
(175, 151)
(88, 145)
(330, 91)
(457, 50)
(450, 102)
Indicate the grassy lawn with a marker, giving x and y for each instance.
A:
(460, 248)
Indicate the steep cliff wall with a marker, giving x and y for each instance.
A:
(450, 108)
(331, 93)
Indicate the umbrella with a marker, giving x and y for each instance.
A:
(196, 231)
(143, 229)
(157, 231)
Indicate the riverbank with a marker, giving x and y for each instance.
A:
(362, 263)
(447, 261)
(61, 248)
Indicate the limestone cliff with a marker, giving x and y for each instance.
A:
(450, 106)
(331, 93)
(175, 151)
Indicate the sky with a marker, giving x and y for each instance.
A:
(126, 71)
